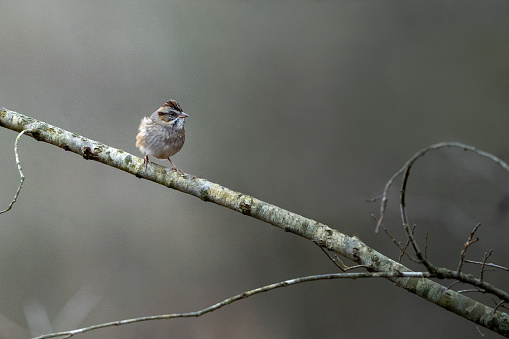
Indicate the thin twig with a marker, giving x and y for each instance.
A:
(469, 242)
(348, 268)
(408, 165)
(499, 304)
(383, 204)
(487, 264)
(486, 256)
(402, 250)
(330, 257)
(442, 273)
(335, 260)
(68, 334)
(479, 290)
(454, 283)
(406, 174)
(22, 177)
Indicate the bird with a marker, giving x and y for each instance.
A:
(162, 133)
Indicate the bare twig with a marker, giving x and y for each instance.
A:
(286, 283)
(383, 204)
(499, 304)
(430, 267)
(486, 256)
(402, 250)
(22, 177)
(454, 283)
(442, 273)
(342, 266)
(330, 257)
(469, 242)
(487, 264)
(478, 290)
(408, 165)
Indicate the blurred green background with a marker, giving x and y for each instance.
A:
(309, 105)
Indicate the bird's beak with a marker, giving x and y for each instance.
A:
(183, 115)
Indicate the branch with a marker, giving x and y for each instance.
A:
(471, 240)
(22, 177)
(349, 247)
(442, 273)
(286, 283)
(405, 170)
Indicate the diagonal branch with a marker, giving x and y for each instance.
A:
(349, 247)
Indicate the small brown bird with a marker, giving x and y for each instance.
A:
(162, 133)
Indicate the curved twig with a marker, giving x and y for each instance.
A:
(408, 165)
(442, 273)
(286, 283)
(22, 177)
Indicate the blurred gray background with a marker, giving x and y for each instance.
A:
(309, 105)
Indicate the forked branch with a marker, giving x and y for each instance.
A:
(441, 272)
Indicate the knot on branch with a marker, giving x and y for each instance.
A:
(89, 153)
(245, 205)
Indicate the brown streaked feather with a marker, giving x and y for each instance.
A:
(173, 104)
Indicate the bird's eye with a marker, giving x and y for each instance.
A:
(172, 115)
(167, 116)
